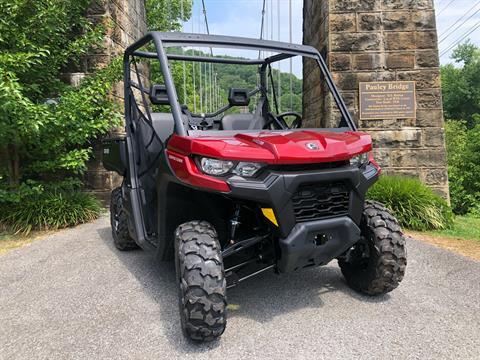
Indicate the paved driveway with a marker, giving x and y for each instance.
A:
(73, 296)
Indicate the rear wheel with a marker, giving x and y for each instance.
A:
(201, 281)
(376, 264)
(119, 223)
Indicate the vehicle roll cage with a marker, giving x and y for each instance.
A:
(161, 40)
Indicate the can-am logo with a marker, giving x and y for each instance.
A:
(312, 146)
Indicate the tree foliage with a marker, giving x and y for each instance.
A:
(167, 15)
(460, 84)
(39, 40)
(461, 100)
(463, 155)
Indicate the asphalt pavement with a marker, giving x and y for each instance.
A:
(72, 295)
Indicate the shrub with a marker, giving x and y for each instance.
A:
(49, 210)
(415, 205)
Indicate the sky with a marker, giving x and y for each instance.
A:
(243, 18)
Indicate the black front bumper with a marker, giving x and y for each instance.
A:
(316, 242)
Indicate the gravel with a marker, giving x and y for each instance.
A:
(73, 296)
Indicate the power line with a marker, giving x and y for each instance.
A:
(445, 8)
(261, 26)
(459, 19)
(461, 38)
(263, 19)
(291, 60)
(452, 31)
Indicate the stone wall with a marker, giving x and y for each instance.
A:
(382, 40)
(126, 22)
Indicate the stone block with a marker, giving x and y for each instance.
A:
(429, 99)
(340, 62)
(429, 118)
(382, 156)
(368, 61)
(427, 58)
(354, 5)
(346, 42)
(403, 40)
(433, 137)
(387, 123)
(407, 4)
(423, 20)
(350, 80)
(397, 20)
(402, 138)
(437, 177)
(369, 21)
(350, 99)
(343, 22)
(426, 39)
(425, 79)
(401, 60)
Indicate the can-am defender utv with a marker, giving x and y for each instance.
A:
(228, 197)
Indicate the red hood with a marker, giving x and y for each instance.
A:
(275, 147)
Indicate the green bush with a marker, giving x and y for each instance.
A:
(49, 210)
(415, 205)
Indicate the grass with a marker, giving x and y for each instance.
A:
(9, 241)
(464, 227)
(463, 237)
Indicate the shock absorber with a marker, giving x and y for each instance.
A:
(234, 223)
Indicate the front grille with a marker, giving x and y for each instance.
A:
(319, 201)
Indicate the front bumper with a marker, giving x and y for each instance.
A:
(316, 243)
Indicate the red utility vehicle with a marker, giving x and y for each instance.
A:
(230, 195)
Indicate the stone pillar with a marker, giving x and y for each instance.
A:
(126, 22)
(384, 40)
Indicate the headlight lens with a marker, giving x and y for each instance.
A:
(247, 169)
(219, 167)
(215, 166)
(359, 160)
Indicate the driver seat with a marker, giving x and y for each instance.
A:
(242, 122)
(247, 121)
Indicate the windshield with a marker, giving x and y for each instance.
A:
(241, 89)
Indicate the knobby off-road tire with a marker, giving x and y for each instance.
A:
(376, 265)
(201, 281)
(119, 224)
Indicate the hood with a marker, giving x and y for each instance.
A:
(274, 147)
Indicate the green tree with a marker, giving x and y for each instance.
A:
(460, 84)
(463, 155)
(38, 41)
(167, 15)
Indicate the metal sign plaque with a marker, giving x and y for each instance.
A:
(387, 99)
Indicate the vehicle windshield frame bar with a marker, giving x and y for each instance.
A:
(162, 40)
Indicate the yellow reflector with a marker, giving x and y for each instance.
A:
(270, 215)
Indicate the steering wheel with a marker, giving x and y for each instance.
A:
(296, 123)
(272, 119)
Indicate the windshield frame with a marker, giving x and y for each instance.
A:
(162, 40)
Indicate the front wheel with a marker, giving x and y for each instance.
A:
(376, 264)
(201, 281)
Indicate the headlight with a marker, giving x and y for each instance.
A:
(359, 160)
(247, 169)
(219, 167)
(215, 166)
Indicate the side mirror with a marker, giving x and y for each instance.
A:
(158, 95)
